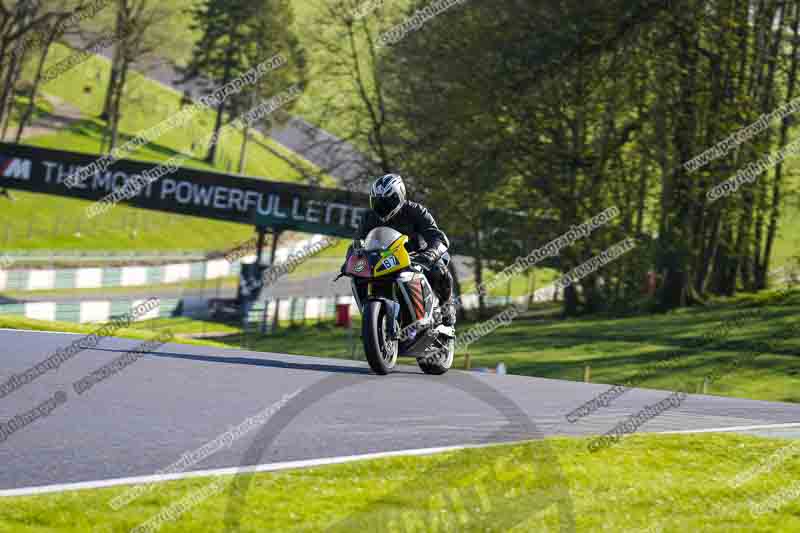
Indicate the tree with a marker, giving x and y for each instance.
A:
(344, 37)
(236, 36)
(135, 39)
(561, 110)
(28, 27)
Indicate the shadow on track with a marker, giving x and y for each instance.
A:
(256, 361)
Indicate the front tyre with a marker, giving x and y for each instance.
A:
(440, 362)
(381, 353)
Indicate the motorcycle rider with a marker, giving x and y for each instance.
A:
(391, 208)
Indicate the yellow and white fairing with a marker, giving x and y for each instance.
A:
(386, 251)
(394, 259)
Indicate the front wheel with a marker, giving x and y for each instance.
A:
(381, 353)
(440, 362)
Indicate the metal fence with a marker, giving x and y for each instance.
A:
(267, 317)
(268, 314)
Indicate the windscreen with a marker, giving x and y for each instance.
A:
(381, 238)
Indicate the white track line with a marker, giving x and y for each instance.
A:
(270, 467)
(730, 429)
(309, 463)
(40, 331)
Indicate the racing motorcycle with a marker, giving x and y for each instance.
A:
(401, 313)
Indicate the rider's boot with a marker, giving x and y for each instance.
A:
(449, 313)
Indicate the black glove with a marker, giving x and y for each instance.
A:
(427, 258)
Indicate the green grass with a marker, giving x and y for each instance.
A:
(519, 285)
(314, 339)
(41, 108)
(787, 244)
(144, 330)
(184, 326)
(618, 349)
(43, 222)
(678, 483)
(335, 342)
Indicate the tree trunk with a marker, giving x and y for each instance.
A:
(570, 301)
(23, 20)
(724, 279)
(243, 151)
(775, 208)
(677, 237)
(758, 280)
(35, 88)
(478, 266)
(119, 91)
(11, 74)
(592, 296)
(212, 149)
(114, 74)
(105, 115)
(641, 206)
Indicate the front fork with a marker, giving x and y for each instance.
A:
(393, 316)
(392, 311)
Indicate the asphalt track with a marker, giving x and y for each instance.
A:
(179, 398)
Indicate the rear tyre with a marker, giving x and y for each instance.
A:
(381, 353)
(439, 364)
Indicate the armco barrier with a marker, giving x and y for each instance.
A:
(86, 312)
(108, 277)
(132, 276)
(297, 310)
(291, 309)
(46, 257)
(261, 314)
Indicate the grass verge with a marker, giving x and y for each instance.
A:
(646, 483)
(144, 330)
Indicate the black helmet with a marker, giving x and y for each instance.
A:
(387, 196)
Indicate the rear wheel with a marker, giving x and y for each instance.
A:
(381, 353)
(440, 362)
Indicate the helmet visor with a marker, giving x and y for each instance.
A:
(383, 205)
